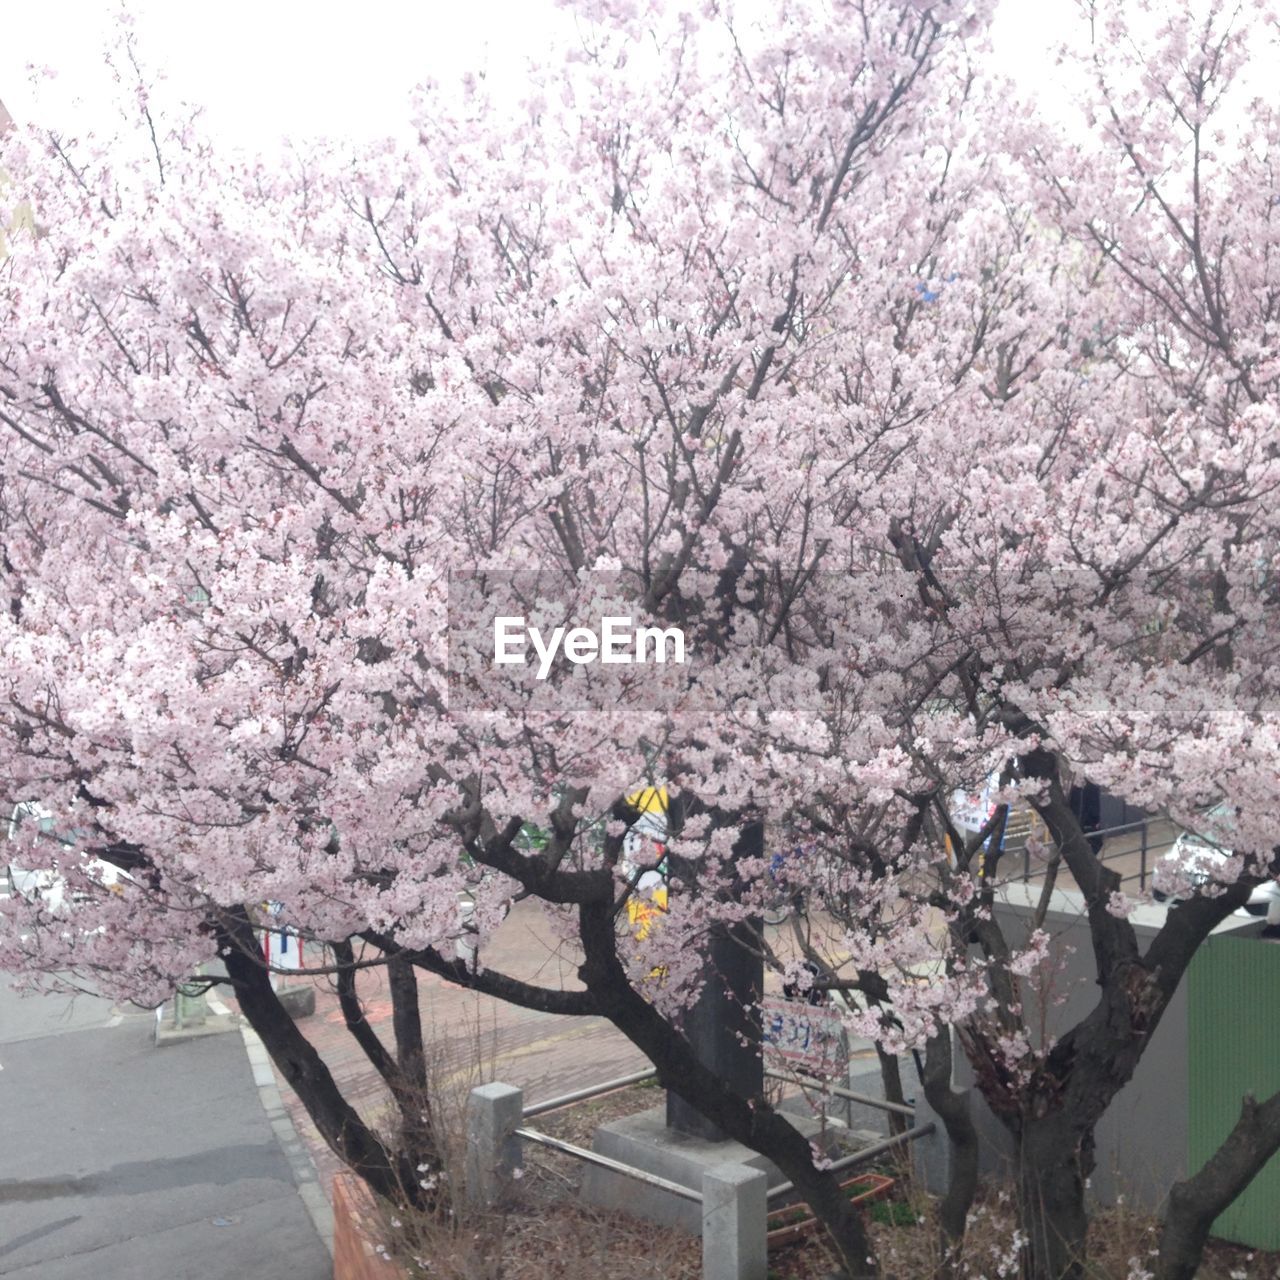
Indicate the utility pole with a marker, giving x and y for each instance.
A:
(725, 1022)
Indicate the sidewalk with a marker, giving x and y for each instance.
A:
(121, 1161)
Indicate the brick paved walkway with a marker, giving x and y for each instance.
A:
(471, 1038)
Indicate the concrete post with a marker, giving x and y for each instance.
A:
(734, 1223)
(190, 1009)
(494, 1112)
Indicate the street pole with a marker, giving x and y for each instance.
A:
(725, 1023)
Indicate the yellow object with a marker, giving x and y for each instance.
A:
(643, 914)
(649, 800)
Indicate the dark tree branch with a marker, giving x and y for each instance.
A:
(390, 1175)
(353, 1015)
(490, 982)
(962, 1136)
(1196, 1202)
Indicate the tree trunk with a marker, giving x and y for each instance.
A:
(1195, 1203)
(417, 1127)
(891, 1078)
(406, 1021)
(750, 1121)
(389, 1174)
(724, 1025)
(1054, 1159)
(354, 1017)
(962, 1182)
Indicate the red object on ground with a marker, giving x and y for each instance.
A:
(865, 1187)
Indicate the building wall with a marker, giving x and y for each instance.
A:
(1234, 1001)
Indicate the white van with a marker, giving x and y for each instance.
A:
(1195, 858)
(36, 877)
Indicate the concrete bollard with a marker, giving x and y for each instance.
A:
(494, 1112)
(190, 1009)
(734, 1223)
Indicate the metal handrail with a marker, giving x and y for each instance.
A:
(688, 1193)
(841, 1092)
(861, 1157)
(1146, 850)
(639, 1077)
(593, 1091)
(605, 1162)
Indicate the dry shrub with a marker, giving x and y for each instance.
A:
(543, 1232)
(1122, 1244)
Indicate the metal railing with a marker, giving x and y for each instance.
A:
(606, 1162)
(587, 1156)
(823, 1086)
(592, 1091)
(863, 1156)
(639, 1077)
(1146, 849)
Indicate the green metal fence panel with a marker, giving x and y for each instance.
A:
(1233, 1048)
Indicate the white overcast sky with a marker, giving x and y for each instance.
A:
(268, 68)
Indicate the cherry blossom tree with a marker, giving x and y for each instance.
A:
(257, 417)
(944, 447)
(1103, 591)
(1176, 208)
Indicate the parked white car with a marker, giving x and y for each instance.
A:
(35, 877)
(1195, 858)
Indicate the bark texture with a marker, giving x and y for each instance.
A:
(891, 1078)
(750, 1121)
(388, 1173)
(1054, 1160)
(1196, 1203)
(962, 1184)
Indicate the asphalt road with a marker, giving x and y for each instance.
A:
(121, 1161)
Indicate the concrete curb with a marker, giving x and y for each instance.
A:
(217, 1025)
(295, 1150)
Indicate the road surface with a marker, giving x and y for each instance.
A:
(121, 1161)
